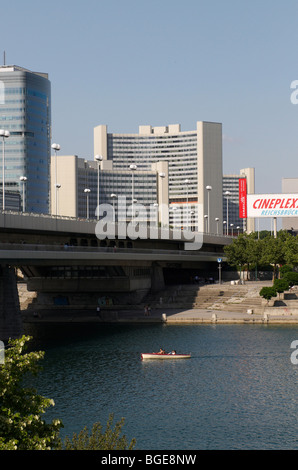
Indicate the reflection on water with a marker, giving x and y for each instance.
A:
(238, 391)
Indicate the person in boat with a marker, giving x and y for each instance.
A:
(173, 352)
(161, 351)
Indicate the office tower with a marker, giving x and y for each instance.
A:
(194, 166)
(85, 183)
(25, 111)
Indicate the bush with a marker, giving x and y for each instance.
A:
(286, 268)
(281, 285)
(268, 292)
(291, 278)
(110, 439)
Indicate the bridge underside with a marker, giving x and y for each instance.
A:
(107, 283)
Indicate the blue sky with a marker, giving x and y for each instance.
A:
(126, 63)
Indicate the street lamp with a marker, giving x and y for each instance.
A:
(238, 228)
(98, 158)
(208, 192)
(56, 148)
(187, 183)
(160, 198)
(113, 196)
(232, 225)
(4, 134)
(206, 220)
(227, 193)
(216, 220)
(225, 223)
(87, 192)
(57, 186)
(132, 168)
(156, 213)
(23, 179)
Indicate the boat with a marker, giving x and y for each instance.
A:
(164, 356)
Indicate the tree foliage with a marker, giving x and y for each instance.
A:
(21, 408)
(248, 250)
(110, 439)
(268, 292)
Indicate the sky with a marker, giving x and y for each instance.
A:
(135, 62)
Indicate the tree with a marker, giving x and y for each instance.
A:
(237, 251)
(280, 285)
(110, 439)
(273, 250)
(267, 293)
(21, 426)
(291, 278)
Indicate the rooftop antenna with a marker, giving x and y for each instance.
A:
(4, 58)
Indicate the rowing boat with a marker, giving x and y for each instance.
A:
(164, 356)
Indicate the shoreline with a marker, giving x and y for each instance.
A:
(164, 316)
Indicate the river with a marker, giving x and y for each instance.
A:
(238, 391)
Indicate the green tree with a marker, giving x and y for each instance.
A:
(110, 439)
(280, 285)
(21, 426)
(291, 278)
(237, 252)
(274, 250)
(268, 292)
(291, 250)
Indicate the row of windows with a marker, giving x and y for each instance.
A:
(22, 91)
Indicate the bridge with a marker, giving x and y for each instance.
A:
(63, 261)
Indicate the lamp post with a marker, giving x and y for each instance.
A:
(98, 158)
(238, 228)
(216, 220)
(227, 193)
(232, 225)
(208, 192)
(4, 134)
(133, 169)
(187, 183)
(57, 186)
(56, 148)
(156, 213)
(206, 222)
(160, 198)
(87, 192)
(23, 179)
(113, 196)
(225, 223)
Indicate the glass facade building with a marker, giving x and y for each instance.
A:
(25, 111)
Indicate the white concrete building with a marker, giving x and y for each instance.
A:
(194, 166)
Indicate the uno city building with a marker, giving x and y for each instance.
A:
(193, 162)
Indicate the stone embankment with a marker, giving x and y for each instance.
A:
(229, 302)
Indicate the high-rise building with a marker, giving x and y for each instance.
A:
(194, 166)
(232, 221)
(83, 184)
(25, 111)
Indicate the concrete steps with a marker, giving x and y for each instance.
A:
(238, 298)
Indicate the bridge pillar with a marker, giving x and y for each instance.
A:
(10, 317)
(157, 278)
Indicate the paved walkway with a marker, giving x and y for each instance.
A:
(167, 316)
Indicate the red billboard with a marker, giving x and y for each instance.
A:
(242, 198)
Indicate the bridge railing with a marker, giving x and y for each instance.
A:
(87, 249)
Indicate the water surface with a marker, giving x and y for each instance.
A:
(238, 391)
